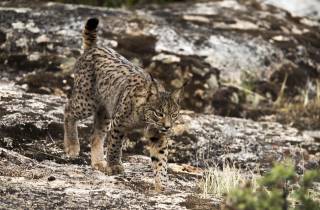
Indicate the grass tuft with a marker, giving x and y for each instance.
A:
(218, 183)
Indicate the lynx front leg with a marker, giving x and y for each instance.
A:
(71, 141)
(159, 158)
(97, 153)
(114, 152)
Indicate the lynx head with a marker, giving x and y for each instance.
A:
(164, 111)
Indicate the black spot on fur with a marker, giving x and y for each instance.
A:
(154, 139)
(92, 24)
(51, 178)
(154, 159)
(161, 152)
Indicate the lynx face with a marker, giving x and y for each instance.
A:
(163, 113)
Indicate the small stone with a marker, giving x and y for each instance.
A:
(42, 39)
(196, 18)
(25, 86)
(32, 28)
(22, 42)
(18, 25)
(165, 58)
(51, 178)
(213, 82)
(34, 56)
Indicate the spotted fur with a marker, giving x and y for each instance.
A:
(122, 97)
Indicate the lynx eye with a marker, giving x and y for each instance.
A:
(158, 114)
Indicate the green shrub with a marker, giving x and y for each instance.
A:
(281, 189)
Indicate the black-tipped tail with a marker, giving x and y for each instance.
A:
(89, 33)
(92, 24)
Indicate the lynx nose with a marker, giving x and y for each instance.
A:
(165, 125)
(165, 128)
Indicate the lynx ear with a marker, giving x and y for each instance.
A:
(176, 95)
(154, 87)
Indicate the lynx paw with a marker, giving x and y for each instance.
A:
(109, 170)
(158, 187)
(114, 170)
(72, 150)
(101, 166)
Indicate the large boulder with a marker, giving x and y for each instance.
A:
(221, 47)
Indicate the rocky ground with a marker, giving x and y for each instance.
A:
(36, 174)
(235, 55)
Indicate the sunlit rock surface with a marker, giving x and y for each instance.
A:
(26, 183)
(307, 8)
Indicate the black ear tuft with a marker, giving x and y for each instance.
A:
(92, 24)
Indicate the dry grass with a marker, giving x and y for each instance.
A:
(300, 115)
(301, 112)
(280, 98)
(218, 183)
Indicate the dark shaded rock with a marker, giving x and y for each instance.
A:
(3, 37)
(227, 101)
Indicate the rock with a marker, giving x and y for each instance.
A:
(314, 134)
(197, 139)
(309, 8)
(203, 140)
(211, 44)
(74, 186)
(34, 169)
(31, 124)
(42, 39)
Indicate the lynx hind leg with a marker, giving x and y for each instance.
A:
(159, 157)
(101, 123)
(75, 110)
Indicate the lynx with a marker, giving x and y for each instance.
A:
(121, 97)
